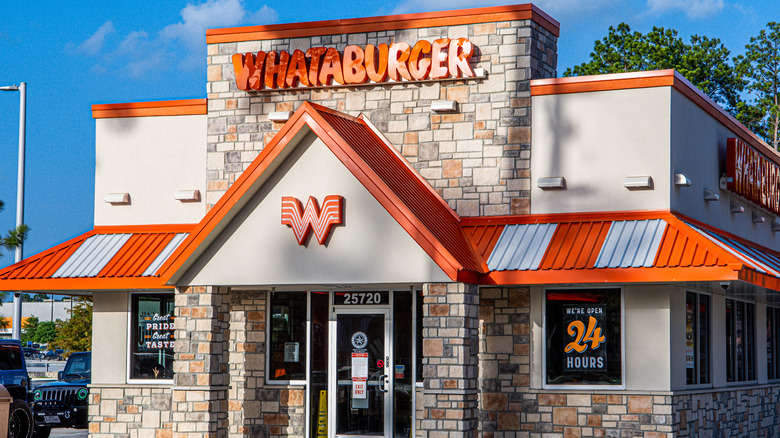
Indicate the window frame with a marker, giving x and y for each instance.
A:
(132, 318)
(622, 386)
(775, 343)
(305, 348)
(749, 355)
(697, 344)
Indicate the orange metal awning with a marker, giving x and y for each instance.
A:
(616, 247)
(108, 257)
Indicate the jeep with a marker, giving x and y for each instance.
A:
(64, 403)
(13, 375)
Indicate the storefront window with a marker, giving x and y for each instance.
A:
(584, 345)
(287, 355)
(152, 334)
(319, 364)
(740, 341)
(697, 338)
(419, 314)
(773, 342)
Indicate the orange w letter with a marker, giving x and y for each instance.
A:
(302, 221)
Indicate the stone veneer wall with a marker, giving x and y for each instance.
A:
(257, 409)
(200, 391)
(509, 408)
(449, 399)
(739, 412)
(136, 411)
(478, 159)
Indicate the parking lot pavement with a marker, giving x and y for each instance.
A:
(70, 433)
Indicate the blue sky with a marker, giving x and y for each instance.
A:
(75, 53)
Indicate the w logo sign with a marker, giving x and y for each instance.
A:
(302, 221)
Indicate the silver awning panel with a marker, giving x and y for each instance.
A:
(92, 256)
(166, 252)
(521, 247)
(631, 244)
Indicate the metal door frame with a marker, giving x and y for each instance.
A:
(387, 311)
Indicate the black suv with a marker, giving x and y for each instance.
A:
(64, 403)
(13, 375)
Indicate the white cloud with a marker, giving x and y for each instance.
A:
(94, 43)
(693, 9)
(137, 53)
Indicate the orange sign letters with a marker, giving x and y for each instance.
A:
(321, 66)
(752, 175)
(302, 221)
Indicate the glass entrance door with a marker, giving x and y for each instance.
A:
(360, 398)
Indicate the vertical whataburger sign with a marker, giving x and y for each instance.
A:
(585, 346)
(753, 175)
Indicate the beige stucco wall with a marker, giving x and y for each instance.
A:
(109, 337)
(699, 152)
(369, 248)
(596, 139)
(150, 158)
(646, 334)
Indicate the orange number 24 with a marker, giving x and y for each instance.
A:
(592, 335)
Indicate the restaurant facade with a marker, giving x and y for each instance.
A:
(407, 226)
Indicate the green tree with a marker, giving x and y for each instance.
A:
(75, 334)
(10, 241)
(29, 327)
(704, 62)
(15, 237)
(761, 68)
(46, 332)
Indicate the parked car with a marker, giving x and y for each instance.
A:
(51, 355)
(30, 353)
(64, 403)
(13, 375)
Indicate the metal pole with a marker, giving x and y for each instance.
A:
(16, 328)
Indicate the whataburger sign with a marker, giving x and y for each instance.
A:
(326, 66)
(752, 175)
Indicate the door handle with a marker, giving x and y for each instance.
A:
(383, 381)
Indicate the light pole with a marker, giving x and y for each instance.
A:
(16, 329)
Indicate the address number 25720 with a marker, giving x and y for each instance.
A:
(361, 298)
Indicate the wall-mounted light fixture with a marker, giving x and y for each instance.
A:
(444, 106)
(187, 195)
(117, 198)
(638, 182)
(551, 182)
(757, 218)
(736, 208)
(681, 180)
(709, 195)
(279, 116)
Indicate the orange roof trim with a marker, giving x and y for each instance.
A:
(389, 178)
(384, 23)
(188, 107)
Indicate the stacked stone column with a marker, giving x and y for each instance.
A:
(201, 381)
(450, 364)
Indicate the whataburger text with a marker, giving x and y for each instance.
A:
(325, 66)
